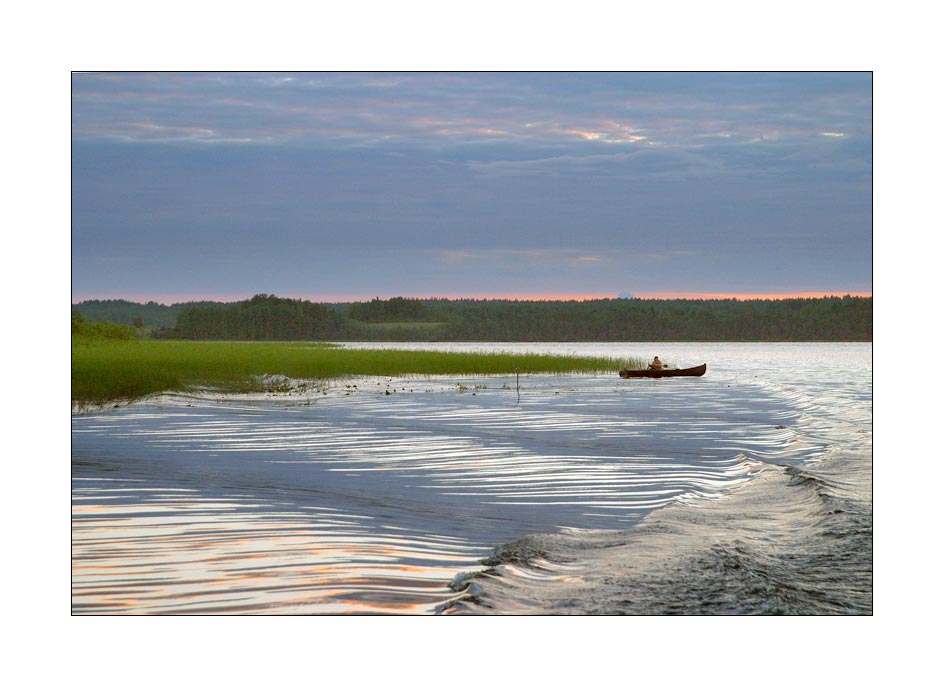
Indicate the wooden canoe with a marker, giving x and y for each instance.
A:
(657, 374)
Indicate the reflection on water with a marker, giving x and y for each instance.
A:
(175, 551)
(364, 501)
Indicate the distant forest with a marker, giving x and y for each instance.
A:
(148, 314)
(270, 318)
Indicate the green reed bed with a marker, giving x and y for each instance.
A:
(108, 370)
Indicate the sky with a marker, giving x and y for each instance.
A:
(348, 186)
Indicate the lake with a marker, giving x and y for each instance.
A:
(747, 490)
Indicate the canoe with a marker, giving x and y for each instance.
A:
(685, 372)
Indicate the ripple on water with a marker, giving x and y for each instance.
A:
(372, 503)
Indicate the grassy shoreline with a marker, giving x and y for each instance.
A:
(106, 370)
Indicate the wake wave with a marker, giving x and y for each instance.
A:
(355, 500)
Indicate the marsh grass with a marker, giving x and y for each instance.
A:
(107, 370)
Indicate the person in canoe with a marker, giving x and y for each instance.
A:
(656, 364)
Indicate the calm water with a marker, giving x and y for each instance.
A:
(747, 490)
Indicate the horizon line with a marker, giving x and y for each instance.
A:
(174, 299)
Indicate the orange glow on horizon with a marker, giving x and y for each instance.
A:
(516, 296)
(170, 299)
(694, 295)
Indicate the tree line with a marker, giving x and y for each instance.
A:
(261, 318)
(120, 311)
(89, 329)
(270, 318)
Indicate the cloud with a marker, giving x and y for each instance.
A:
(548, 257)
(652, 164)
(531, 110)
(546, 181)
(555, 257)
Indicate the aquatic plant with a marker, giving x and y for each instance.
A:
(105, 369)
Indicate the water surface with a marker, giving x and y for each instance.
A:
(374, 495)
